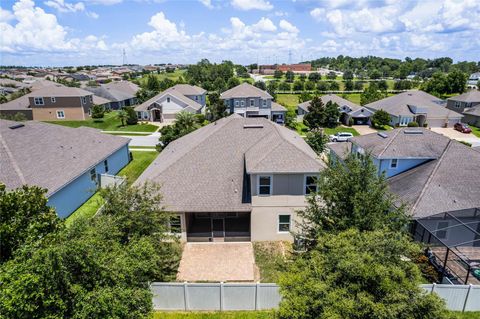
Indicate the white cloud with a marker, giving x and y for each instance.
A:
(265, 24)
(287, 26)
(103, 2)
(251, 5)
(207, 3)
(92, 15)
(62, 6)
(5, 15)
(318, 13)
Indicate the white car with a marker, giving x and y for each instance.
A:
(341, 137)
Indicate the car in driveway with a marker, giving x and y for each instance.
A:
(341, 137)
(461, 127)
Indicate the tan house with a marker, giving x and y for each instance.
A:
(237, 179)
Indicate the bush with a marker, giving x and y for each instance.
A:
(412, 124)
(98, 111)
(132, 118)
(351, 122)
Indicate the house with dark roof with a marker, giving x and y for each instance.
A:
(165, 105)
(69, 162)
(416, 106)
(238, 178)
(250, 101)
(348, 110)
(468, 104)
(119, 93)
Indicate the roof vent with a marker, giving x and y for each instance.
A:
(16, 126)
(412, 132)
(381, 134)
(253, 126)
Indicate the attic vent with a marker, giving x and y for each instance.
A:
(413, 132)
(381, 134)
(16, 126)
(253, 126)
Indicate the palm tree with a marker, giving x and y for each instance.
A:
(122, 116)
(186, 121)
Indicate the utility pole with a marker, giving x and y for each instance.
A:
(289, 57)
(124, 57)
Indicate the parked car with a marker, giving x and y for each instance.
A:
(341, 137)
(462, 128)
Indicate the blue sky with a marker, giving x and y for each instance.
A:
(63, 32)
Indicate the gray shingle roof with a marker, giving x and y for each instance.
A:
(333, 98)
(245, 90)
(470, 96)
(173, 91)
(204, 171)
(399, 144)
(278, 107)
(49, 155)
(115, 91)
(472, 110)
(401, 105)
(58, 91)
(341, 150)
(187, 89)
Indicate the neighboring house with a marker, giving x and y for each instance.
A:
(468, 104)
(473, 79)
(348, 110)
(250, 101)
(416, 106)
(165, 105)
(120, 94)
(66, 161)
(236, 179)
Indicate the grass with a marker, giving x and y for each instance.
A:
(164, 75)
(383, 128)
(129, 134)
(215, 315)
(143, 147)
(475, 130)
(331, 131)
(271, 259)
(140, 162)
(288, 100)
(465, 315)
(109, 123)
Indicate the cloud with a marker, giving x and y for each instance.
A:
(265, 24)
(252, 5)
(61, 6)
(206, 3)
(287, 26)
(318, 13)
(103, 2)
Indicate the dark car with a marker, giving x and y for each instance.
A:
(462, 128)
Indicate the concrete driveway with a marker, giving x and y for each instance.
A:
(363, 129)
(231, 262)
(149, 140)
(456, 135)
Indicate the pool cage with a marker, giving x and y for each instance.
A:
(452, 243)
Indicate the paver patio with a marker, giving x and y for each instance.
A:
(232, 262)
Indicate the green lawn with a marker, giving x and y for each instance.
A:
(139, 163)
(288, 100)
(109, 123)
(270, 257)
(215, 315)
(331, 131)
(465, 315)
(172, 76)
(475, 130)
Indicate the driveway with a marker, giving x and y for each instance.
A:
(149, 140)
(217, 262)
(456, 135)
(363, 129)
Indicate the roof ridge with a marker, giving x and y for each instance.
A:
(12, 160)
(278, 130)
(389, 143)
(431, 176)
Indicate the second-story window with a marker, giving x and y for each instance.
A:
(393, 163)
(264, 185)
(91, 98)
(196, 97)
(38, 101)
(105, 165)
(264, 102)
(93, 175)
(84, 100)
(242, 103)
(168, 100)
(53, 99)
(457, 104)
(252, 102)
(236, 103)
(310, 184)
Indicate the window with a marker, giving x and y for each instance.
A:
(196, 97)
(264, 185)
(38, 100)
(457, 104)
(236, 103)
(84, 100)
(53, 99)
(93, 175)
(60, 114)
(310, 184)
(175, 224)
(252, 102)
(283, 223)
(91, 98)
(89, 112)
(264, 102)
(441, 233)
(242, 103)
(105, 164)
(393, 163)
(168, 100)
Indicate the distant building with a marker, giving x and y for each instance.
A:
(296, 68)
(473, 79)
(468, 104)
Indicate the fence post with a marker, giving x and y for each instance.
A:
(433, 288)
(256, 295)
(185, 295)
(466, 297)
(221, 295)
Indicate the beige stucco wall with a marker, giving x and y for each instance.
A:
(50, 114)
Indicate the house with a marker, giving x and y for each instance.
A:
(468, 104)
(295, 68)
(473, 79)
(68, 162)
(416, 106)
(165, 105)
(236, 179)
(120, 94)
(250, 101)
(348, 110)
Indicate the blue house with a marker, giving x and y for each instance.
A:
(68, 162)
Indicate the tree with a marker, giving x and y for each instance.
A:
(322, 86)
(334, 86)
(331, 114)
(284, 86)
(331, 75)
(371, 94)
(314, 77)
(316, 114)
(309, 85)
(24, 218)
(358, 85)
(233, 82)
(380, 118)
(302, 77)
(132, 117)
(375, 74)
(278, 74)
(437, 85)
(357, 275)
(185, 122)
(457, 81)
(382, 85)
(152, 83)
(348, 75)
(261, 85)
(98, 111)
(317, 140)
(304, 97)
(216, 108)
(271, 88)
(289, 76)
(348, 85)
(298, 85)
(122, 115)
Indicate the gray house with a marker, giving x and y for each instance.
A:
(468, 104)
(348, 110)
(237, 179)
(416, 106)
(165, 105)
(119, 93)
(250, 101)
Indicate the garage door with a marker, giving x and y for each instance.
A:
(436, 122)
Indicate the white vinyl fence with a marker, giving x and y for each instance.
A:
(251, 296)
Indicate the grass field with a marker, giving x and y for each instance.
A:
(331, 131)
(172, 76)
(109, 123)
(215, 315)
(139, 163)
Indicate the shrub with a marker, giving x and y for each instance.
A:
(350, 121)
(412, 124)
(98, 111)
(132, 118)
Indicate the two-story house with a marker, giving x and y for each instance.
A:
(118, 93)
(250, 101)
(416, 106)
(468, 104)
(237, 179)
(165, 105)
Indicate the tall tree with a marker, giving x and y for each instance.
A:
(278, 74)
(152, 83)
(317, 140)
(371, 94)
(289, 76)
(380, 118)
(316, 114)
(332, 114)
(216, 108)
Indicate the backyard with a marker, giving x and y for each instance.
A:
(110, 122)
(271, 259)
(141, 160)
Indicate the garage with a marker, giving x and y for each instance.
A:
(441, 122)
